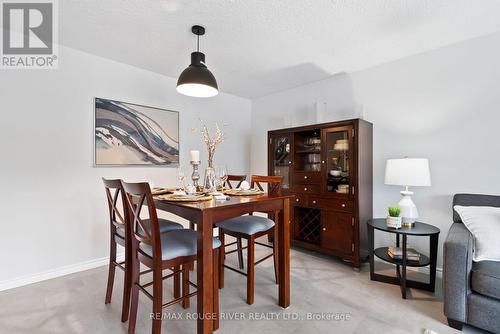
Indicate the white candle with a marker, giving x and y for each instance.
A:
(195, 155)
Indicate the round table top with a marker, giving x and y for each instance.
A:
(418, 229)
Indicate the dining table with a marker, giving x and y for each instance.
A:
(204, 215)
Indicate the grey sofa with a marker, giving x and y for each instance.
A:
(471, 289)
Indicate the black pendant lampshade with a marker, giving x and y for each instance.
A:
(196, 80)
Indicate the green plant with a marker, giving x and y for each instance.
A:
(394, 211)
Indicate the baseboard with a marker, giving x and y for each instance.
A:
(58, 272)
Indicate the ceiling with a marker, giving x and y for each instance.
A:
(256, 47)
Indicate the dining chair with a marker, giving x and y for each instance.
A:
(273, 187)
(234, 178)
(250, 228)
(239, 246)
(120, 235)
(237, 179)
(228, 184)
(159, 251)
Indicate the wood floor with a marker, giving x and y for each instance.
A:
(75, 304)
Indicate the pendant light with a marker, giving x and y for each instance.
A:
(196, 80)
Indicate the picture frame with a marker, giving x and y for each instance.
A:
(130, 134)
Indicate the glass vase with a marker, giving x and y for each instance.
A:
(209, 180)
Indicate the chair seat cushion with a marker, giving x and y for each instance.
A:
(178, 243)
(120, 231)
(165, 226)
(246, 224)
(485, 278)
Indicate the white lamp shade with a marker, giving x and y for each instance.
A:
(407, 172)
(197, 90)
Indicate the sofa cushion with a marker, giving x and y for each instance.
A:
(484, 224)
(473, 200)
(485, 278)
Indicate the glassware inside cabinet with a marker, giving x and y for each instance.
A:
(281, 158)
(338, 159)
(308, 151)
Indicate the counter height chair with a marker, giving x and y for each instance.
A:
(120, 236)
(159, 251)
(232, 182)
(250, 228)
(237, 179)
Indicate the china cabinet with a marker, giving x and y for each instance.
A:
(328, 167)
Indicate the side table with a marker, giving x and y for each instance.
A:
(420, 230)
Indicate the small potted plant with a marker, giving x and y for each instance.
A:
(393, 219)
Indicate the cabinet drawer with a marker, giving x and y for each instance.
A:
(300, 200)
(331, 204)
(307, 189)
(306, 178)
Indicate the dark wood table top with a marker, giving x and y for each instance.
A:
(214, 204)
(419, 228)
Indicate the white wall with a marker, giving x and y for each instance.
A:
(52, 199)
(443, 105)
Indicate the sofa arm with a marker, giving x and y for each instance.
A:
(456, 271)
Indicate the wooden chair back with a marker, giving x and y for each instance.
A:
(137, 197)
(117, 216)
(273, 183)
(235, 178)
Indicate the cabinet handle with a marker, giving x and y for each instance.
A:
(305, 189)
(314, 202)
(343, 205)
(297, 200)
(324, 228)
(289, 162)
(322, 161)
(305, 177)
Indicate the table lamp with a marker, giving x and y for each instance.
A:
(408, 172)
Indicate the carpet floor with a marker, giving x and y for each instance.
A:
(327, 296)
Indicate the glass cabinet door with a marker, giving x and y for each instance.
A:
(338, 160)
(281, 158)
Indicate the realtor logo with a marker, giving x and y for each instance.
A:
(29, 35)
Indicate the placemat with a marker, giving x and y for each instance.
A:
(174, 198)
(159, 191)
(239, 192)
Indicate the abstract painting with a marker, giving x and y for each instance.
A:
(131, 134)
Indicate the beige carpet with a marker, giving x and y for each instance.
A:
(339, 299)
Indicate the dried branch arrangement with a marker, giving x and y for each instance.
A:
(211, 142)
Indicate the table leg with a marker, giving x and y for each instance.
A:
(284, 254)
(371, 248)
(433, 257)
(403, 269)
(397, 245)
(204, 272)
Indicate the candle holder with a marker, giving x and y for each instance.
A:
(196, 175)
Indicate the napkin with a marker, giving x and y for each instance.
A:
(220, 196)
(179, 192)
(244, 185)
